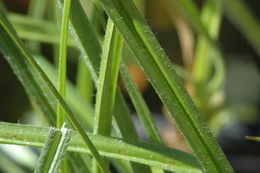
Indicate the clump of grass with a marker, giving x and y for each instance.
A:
(95, 125)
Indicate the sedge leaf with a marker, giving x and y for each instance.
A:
(88, 43)
(63, 61)
(150, 154)
(9, 35)
(169, 87)
(107, 81)
(53, 150)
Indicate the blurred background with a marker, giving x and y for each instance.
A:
(230, 104)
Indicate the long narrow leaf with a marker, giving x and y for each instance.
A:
(191, 13)
(9, 35)
(80, 106)
(83, 109)
(36, 29)
(63, 61)
(150, 154)
(253, 138)
(88, 43)
(160, 72)
(211, 17)
(91, 49)
(38, 94)
(84, 82)
(107, 81)
(204, 61)
(53, 150)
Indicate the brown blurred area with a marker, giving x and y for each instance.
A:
(19, 6)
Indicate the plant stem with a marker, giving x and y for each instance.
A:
(63, 61)
(8, 33)
(107, 81)
(84, 82)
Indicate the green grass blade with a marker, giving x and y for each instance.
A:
(80, 106)
(107, 82)
(80, 162)
(63, 61)
(48, 151)
(253, 138)
(91, 49)
(85, 38)
(191, 13)
(76, 101)
(97, 17)
(122, 165)
(150, 154)
(140, 106)
(211, 17)
(37, 91)
(36, 29)
(41, 37)
(8, 33)
(206, 61)
(53, 150)
(161, 74)
(245, 21)
(83, 109)
(39, 96)
(84, 82)
(29, 22)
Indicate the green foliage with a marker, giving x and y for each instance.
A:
(54, 150)
(106, 129)
(150, 154)
(9, 34)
